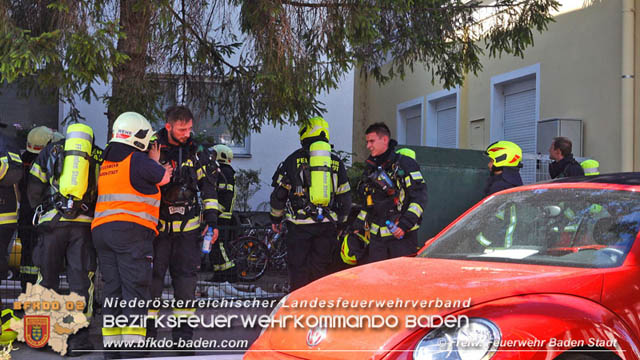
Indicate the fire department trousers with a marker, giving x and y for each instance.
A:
(6, 234)
(310, 248)
(388, 247)
(28, 271)
(68, 246)
(179, 252)
(223, 266)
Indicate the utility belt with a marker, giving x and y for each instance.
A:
(312, 214)
(175, 226)
(59, 208)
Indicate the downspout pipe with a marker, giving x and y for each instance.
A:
(627, 103)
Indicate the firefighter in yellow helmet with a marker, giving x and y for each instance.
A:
(223, 266)
(590, 167)
(353, 249)
(62, 187)
(37, 139)
(8, 335)
(314, 181)
(505, 161)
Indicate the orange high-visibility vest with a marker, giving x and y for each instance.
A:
(118, 200)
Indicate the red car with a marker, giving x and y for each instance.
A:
(536, 272)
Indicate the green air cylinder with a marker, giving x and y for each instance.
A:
(320, 166)
(75, 170)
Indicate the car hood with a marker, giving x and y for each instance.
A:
(407, 288)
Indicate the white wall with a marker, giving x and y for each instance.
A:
(269, 147)
(94, 113)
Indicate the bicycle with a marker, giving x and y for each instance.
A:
(254, 253)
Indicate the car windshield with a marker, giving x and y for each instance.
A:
(564, 227)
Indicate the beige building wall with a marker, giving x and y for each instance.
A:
(579, 61)
(636, 112)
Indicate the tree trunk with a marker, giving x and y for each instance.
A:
(135, 18)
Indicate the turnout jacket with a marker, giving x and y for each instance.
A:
(198, 173)
(43, 183)
(405, 205)
(290, 192)
(10, 174)
(226, 190)
(507, 179)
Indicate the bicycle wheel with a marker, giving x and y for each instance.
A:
(278, 253)
(251, 257)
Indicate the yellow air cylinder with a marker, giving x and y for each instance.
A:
(75, 169)
(320, 164)
(15, 253)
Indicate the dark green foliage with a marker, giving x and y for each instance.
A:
(252, 63)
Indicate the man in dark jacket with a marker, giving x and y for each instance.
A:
(563, 165)
(505, 166)
(395, 195)
(178, 246)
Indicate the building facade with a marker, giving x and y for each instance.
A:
(577, 80)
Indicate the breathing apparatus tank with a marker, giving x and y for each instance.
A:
(320, 167)
(75, 170)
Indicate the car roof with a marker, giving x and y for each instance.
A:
(623, 178)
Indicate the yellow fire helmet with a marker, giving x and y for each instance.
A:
(504, 153)
(8, 335)
(224, 154)
(132, 129)
(315, 127)
(590, 167)
(354, 248)
(38, 138)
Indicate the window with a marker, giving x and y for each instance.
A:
(409, 119)
(515, 110)
(560, 227)
(442, 119)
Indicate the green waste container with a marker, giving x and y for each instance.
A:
(455, 182)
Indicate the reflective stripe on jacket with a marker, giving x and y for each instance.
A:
(118, 200)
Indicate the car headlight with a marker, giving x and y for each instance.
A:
(275, 310)
(477, 340)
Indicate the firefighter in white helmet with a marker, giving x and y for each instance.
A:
(125, 221)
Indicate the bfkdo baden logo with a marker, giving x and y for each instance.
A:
(36, 330)
(49, 318)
